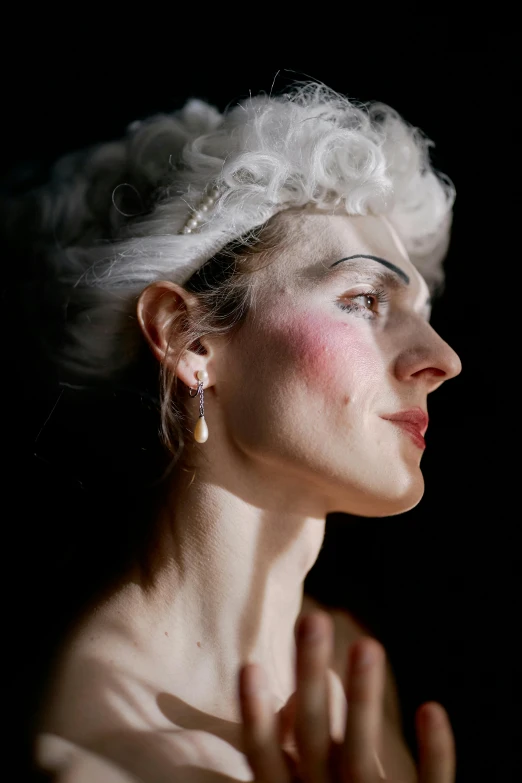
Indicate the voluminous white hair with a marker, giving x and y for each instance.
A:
(117, 209)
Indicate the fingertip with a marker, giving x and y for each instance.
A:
(436, 743)
(315, 624)
(365, 652)
(431, 715)
(251, 679)
(254, 697)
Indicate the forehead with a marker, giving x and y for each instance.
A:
(314, 241)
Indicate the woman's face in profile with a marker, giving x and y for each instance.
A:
(331, 349)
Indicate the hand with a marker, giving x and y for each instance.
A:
(318, 757)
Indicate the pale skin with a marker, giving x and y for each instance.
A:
(293, 404)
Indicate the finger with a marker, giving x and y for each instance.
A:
(312, 718)
(437, 757)
(365, 696)
(286, 721)
(259, 727)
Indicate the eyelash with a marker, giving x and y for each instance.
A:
(379, 294)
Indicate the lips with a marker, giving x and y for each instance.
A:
(413, 422)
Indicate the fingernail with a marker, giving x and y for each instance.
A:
(432, 717)
(364, 658)
(253, 681)
(309, 630)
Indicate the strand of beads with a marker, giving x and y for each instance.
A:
(199, 215)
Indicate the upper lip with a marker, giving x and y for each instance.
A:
(415, 416)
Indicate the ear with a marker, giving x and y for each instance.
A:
(163, 311)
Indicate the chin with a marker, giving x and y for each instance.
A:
(401, 502)
(387, 501)
(393, 508)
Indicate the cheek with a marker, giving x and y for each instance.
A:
(328, 353)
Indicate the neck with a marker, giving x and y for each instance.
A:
(226, 588)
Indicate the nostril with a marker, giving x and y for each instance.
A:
(434, 371)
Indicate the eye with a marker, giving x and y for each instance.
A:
(369, 300)
(368, 303)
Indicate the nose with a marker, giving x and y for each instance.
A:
(429, 359)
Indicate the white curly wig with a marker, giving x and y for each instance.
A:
(117, 210)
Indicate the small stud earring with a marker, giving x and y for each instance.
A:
(201, 429)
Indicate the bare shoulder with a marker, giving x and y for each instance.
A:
(129, 756)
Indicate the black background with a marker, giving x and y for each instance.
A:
(434, 584)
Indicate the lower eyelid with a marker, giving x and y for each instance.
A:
(352, 308)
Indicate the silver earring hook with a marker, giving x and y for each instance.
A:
(196, 391)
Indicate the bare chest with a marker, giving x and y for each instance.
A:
(103, 729)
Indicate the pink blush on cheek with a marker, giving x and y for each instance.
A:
(328, 351)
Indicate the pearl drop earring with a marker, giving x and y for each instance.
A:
(201, 429)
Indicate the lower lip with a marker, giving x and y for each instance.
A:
(410, 430)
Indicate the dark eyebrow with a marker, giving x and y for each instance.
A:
(399, 272)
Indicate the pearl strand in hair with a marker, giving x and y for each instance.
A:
(200, 211)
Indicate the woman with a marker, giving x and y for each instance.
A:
(277, 261)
